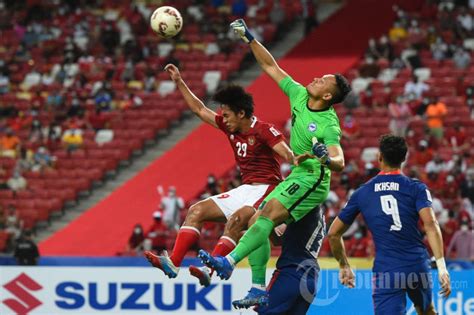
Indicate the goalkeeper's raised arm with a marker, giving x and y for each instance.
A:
(206, 114)
(263, 56)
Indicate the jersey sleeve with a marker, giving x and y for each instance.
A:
(332, 135)
(270, 135)
(351, 210)
(220, 123)
(423, 197)
(293, 90)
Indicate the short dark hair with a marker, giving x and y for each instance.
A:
(393, 149)
(342, 89)
(236, 98)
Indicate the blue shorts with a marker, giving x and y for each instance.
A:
(291, 292)
(391, 288)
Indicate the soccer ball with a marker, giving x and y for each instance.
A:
(166, 21)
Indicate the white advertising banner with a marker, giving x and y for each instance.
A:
(115, 290)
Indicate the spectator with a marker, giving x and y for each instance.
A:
(350, 128)
(463, 243)
(436, 165)
(467, 186)
(400, 117)
(26, 251)
(457, 138)
(171, 205)
(449, 228)
(157, 233)
(397, 32)
(439, 49)
(239, 8)
(372, 51)
(42, 160)
(25, 162)
(9, 144)
(461, 58)
(135, 241)
(416, 87)
(4, 83)
(360, 245)
(13, 223)
(72, 139)
(435, 114)
(385, 48)
(17, 182)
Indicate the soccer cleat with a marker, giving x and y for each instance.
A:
(202, 274)
(255, 297)
(163, 262)
(220, 264)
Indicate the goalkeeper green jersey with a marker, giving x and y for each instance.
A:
(307, 123)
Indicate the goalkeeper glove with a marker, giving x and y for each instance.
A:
(241, 29)
(320, 150)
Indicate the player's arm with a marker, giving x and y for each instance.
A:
(435, 239)
(263, 56)
(282, 149)
(194, 103)
(336, 158)
(337, 229)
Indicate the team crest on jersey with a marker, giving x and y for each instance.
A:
(252, 140)
(312, 127)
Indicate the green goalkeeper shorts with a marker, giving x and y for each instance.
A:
(300, 193)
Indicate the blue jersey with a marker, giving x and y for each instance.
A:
(389, 204)
(302, 240)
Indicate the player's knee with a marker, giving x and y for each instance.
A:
(195, 214)
(275, 211)
(236, 223)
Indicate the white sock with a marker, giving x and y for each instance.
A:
(230, 259)
(259, 286)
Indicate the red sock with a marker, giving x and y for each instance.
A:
(224, 246)
(186, 238)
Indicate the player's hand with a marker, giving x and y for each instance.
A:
(321, 152)
(241, 29)
(445, 283)
(347, 276)
(280, 230)
(173, 71)
(297, 160)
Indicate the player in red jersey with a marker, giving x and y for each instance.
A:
(256, 146)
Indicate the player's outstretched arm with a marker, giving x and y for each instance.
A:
(435, 239)
(194, 103)
(337, 229)
(282, 149)
(263, 56)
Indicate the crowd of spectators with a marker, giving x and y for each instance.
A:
(71, 73)
(417, 80)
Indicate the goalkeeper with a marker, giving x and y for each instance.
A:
(315, 129)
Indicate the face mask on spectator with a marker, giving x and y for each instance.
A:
(137, 230)
(358, 235)
(464, 228)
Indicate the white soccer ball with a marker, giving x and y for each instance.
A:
(166, 21)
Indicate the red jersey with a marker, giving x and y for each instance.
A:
(253, 151)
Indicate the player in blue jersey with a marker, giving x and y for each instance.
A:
(392, 205)
(293, 284)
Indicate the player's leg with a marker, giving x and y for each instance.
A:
(188, 235)
(389, 298)
(420, 291)
(236, 223)
(285, 294)
(296, 196)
